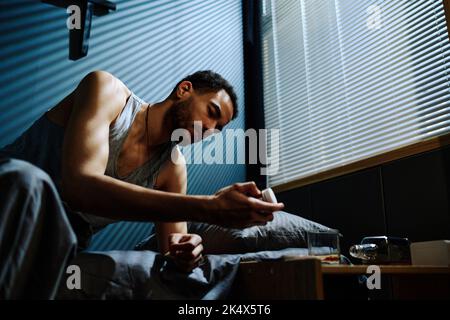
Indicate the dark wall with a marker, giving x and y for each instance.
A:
(149, 45)
(406, 198)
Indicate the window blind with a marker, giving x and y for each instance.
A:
(345, 80)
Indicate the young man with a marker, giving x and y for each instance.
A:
(109, 154)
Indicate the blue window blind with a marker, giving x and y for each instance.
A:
(346, 80)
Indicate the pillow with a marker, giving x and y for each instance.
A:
(284, 231)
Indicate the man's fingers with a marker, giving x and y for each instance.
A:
(197, 251)
(192, 239)
(197, 261)
(248, 188)
(190, 255)
(264, 206)
(175, 238)
(187, 244)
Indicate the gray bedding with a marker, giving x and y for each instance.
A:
(150, 275)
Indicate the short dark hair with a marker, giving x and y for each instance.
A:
(210, 81)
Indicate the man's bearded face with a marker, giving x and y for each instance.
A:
(202, 113)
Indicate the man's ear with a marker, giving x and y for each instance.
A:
(184, 89)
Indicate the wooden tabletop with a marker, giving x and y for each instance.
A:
(386, 269)
(362, 269)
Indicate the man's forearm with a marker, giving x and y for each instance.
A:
(115, 199)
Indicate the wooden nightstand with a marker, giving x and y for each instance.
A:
(397, 281)
(306, 278)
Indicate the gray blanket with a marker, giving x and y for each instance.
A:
(36, 238)
(150, 275)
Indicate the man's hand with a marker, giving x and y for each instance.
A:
(240, 206)
(186, 249)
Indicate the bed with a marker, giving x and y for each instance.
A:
(150, 275)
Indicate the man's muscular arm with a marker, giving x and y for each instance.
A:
(98, 99)
(172, 178)
(96, 103)
(172, 237)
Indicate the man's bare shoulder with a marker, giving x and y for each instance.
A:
(107, 84)
(107, 91)
(97, 91)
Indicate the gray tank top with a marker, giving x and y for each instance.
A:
(41, 145)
